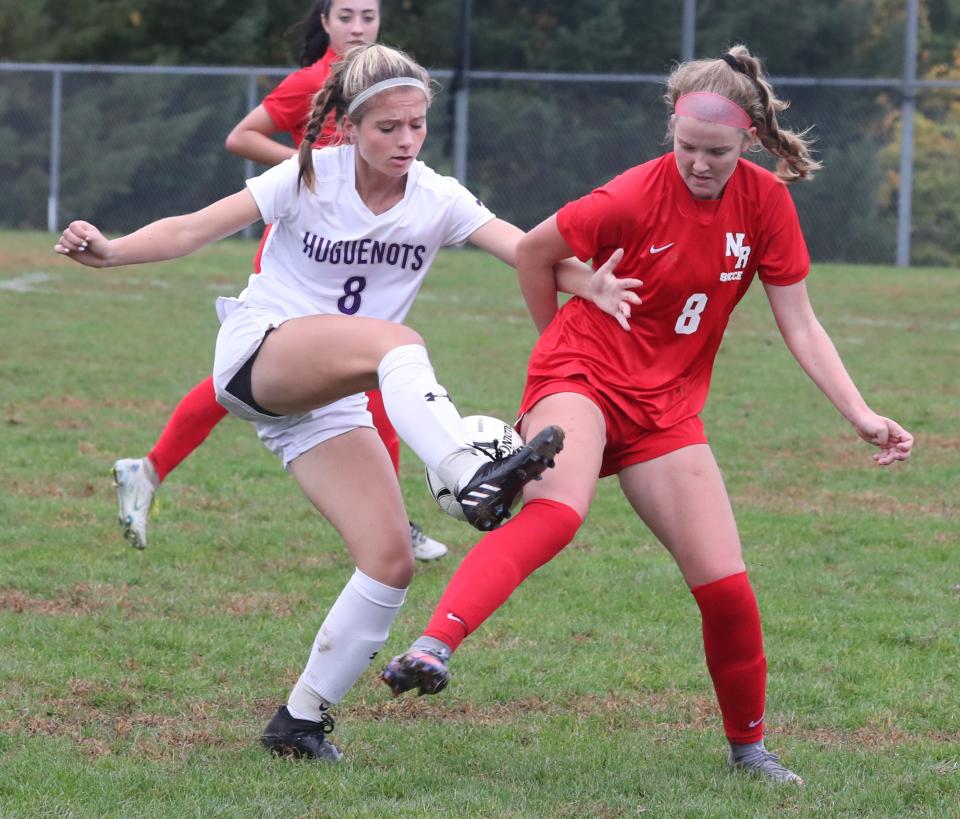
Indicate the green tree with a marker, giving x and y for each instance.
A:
(935, 202)
(532, 145)
(24, 30)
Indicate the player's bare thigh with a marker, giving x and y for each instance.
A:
(310, 361)
(351, 482)
(682, 498)
(574, 479)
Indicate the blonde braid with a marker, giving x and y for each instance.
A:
(361, 67)
(791, 149)
(327, 99)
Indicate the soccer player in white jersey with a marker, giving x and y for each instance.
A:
(330, 28)
(356, 228)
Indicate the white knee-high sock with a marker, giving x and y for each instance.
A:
(355, 629)
(424, 415)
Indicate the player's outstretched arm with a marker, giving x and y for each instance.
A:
(568, 274)
(545, 263)
(161, 240)
(813, 349)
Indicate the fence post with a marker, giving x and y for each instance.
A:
(248, 168)
(53, 199)
(461, 99)
(689, 37)
(907, 110)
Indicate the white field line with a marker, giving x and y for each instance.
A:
(27, 283)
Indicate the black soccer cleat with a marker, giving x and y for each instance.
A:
(486, 500)
(418, 669)
(288, 736)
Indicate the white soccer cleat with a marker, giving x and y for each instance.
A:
(762, 763)
(425, 548)
(136, 483)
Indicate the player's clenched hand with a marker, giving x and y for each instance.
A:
(612, 295)
(894, 442)
(84, 243)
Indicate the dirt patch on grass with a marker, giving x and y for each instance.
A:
(808, 501)
(638, 710)
(869, 738)
(82, 600)
(65, 486)
(79, 600)
(642, 711)
(101, 722)
(98, 734)
(319, 560)
(278, 605)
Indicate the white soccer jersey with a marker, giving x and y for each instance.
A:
(328, 253)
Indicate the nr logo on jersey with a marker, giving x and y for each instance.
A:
(737, 249)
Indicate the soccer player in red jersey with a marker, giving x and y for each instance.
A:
(696, 226)
(331, 27)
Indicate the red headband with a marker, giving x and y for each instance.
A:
(710, 107)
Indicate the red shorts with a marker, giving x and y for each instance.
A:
(628, 440)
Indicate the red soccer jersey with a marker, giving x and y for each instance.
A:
(696, 259)
(289, 106)
(290, 102)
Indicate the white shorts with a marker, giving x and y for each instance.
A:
(287, 436)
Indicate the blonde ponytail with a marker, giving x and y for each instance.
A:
(739, 76)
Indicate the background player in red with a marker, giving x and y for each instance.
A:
(331, 27)
(696, 225)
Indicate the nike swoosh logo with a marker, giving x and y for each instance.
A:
(654, 250)
(757, 722)
(452, 616)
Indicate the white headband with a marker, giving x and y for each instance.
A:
(383, 85)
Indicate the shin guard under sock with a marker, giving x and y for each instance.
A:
(499, 563)
(354, 630)
(733, 644)
(424, 414)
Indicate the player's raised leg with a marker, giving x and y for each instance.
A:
(424, 548)
(288, 376)
(553, 511)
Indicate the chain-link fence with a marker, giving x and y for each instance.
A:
(123, 145)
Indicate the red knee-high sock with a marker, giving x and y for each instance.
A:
(499, 563)
(387, 433)
(190, 423)
(733, 643)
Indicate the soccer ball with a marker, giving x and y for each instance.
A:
(495, 438)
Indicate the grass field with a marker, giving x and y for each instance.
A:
(136, 684)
